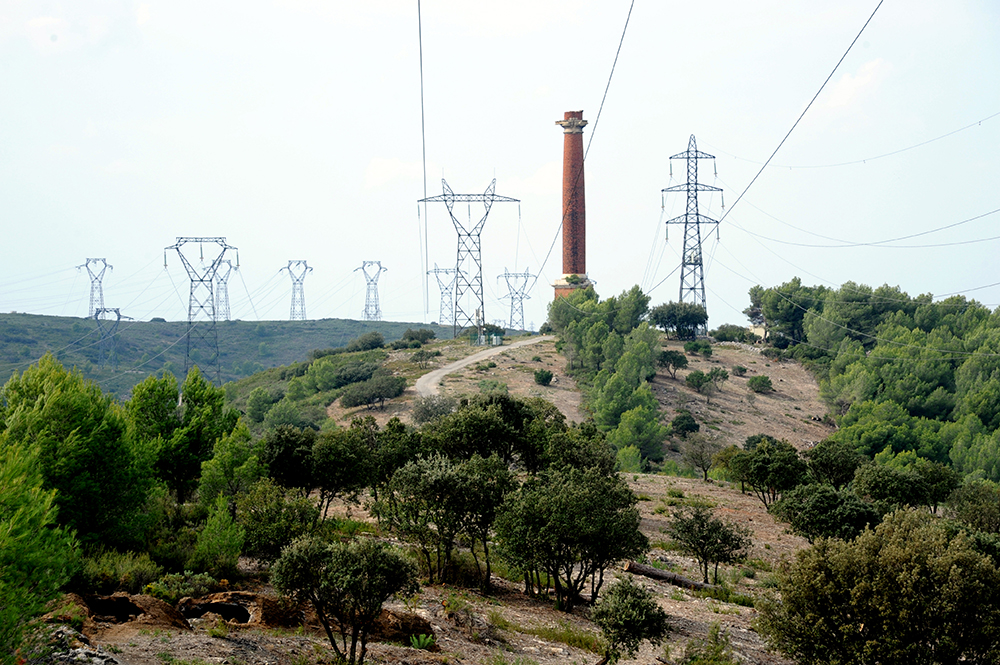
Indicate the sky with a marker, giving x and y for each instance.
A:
(292, 128)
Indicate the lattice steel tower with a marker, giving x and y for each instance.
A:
(108, 346)
(447, 288)
(202, 335)
(226, 268)
(298, 270)
(692, 272)
(372, 311)
(96, 286)
(517, 285)
(469, 309)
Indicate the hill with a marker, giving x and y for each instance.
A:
(150, 347)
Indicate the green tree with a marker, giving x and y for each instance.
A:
(271, 519)
(627, 614)
(234, 467)
(821, 511)
(204, 419)
(36, 556)
(718, 376)
(888, 488)
(219, 544)
(905, 592)
(698, 380)
(832, 462)
(432, 407)
(101, 475)
(640, 427)
(286, 451)
(680, 317)
(341, 463)
(771, 468)
(347, 584)
(572, 524)
(672, 361)
(259, 402)
(684, 423)
(708, 539)
(425, 504)
(760, 384)
(484, 483)
(977, 505)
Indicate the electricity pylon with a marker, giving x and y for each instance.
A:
(692, 271)
(108, 346)
(517, 294)
(202, 335)
(372, 310)
(298, 270)
(96, 286)
(447, 288)
(226, 268)
(469, 262)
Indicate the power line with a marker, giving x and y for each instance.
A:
(866, 159)
(802, 115)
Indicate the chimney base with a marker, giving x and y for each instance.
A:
(567, 284)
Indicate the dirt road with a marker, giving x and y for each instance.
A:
(428, 383)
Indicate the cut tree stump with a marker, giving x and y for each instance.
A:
(665, 576)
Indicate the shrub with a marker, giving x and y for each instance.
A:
(698, 347)
(373, 391)
(739, 370)
(684, 423)
(171, 588)
(729, 332)
(627, 614)
(432, 407)
(760, 384)
(367, 342)
(346, 584)
(543, 377)
(423, 335)
(111, 571)
(271, 520)
(219, 543)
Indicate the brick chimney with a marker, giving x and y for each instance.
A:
(574, 229)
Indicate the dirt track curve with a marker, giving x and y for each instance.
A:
(428, 383)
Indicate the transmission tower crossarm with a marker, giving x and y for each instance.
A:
(695, 186)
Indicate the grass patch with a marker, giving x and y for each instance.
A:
(564, 632)
(726, 595)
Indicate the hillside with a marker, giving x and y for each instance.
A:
(149, 347)
(508, 627)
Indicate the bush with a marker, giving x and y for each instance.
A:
(739, 370)
(684, 423)
(698, 347)
(543, 377)
(219, 544)
(904, 592)
(373, 391)
(171, 588)
(423, 335)
(270, 520)
(432, 407)
(729, 332)
(627, 614)
(367, 342)
(760, 384)
(111, 571)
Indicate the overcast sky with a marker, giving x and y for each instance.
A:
(293, 129)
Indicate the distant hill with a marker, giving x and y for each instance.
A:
(149, 347)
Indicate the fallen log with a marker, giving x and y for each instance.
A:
(665, 576)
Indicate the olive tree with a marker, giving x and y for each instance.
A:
(708, 539)
(347, 584)
(572, 524)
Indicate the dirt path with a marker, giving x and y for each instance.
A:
(428, 383)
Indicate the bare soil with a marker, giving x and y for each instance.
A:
(500, 628)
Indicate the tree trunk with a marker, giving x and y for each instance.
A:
(665, 576)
